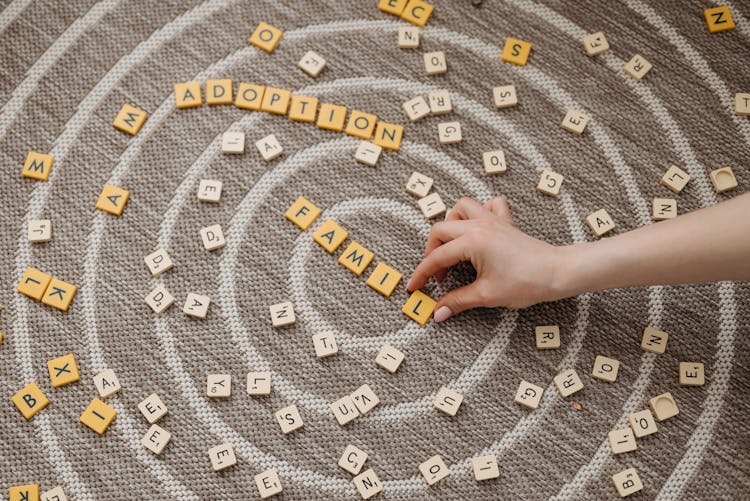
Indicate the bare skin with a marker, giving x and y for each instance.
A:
(515, 270)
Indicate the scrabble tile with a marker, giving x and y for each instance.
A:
(353, 459)
(550, 183)
(723, 179)
(282, 314)
(664, 208)
(269, 147)
(331, 117)
(56, 494)
(433, 470)
(419, 307)
(675, 179)
(627, 482)
(449, 132)
(605, 369)
(266, 37)
(485, 467)
(367, 153)
(367, 483)
(692, 374)
(209, 190)
(395, 7)
(196, 305)
(259, 383)
(637, 67)
(156, 439)
(39, 230)
(417, 12)
(63, 370)
(152, 408)
(33, 283)
(595, 43)
(547, 337)
(356, 258)
(188, 95)
(219, 385)
(159, 299)
(312, 63)
(419, 185)
(416, 108)
(289, 419)
(24, 492)
(219, 91)
(344, 410)
(494, 162)
(408, 37)
(434, 63)
(440, 102)
(575, 122)
(742, 103)
(303, 109)
(30, 400)
(568, 382)
(158, 262)
(212, 237)
(275, 101)
(448, 401)
(302, 213)
(622, 440)
(112, 199)
(59, 294)
(719, 19)
(268, 483)
(505, 96)
(365, 399)
(325, 344)
(654, 340)
(663, 406)
(222, 456)
(106, 383)
(233, 143)
(130, 119)
(388, 136)
(431, 206)
(37, 166)
(389, 358)
(361, 124)
(249, 96)
(642, 423)
(529, 395)
(98, 416)
(516, 51)
(330, 236)
(600, 222)
(384, 279)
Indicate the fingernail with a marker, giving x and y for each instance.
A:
(408, 284)
(442, 314)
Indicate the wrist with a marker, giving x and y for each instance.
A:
(573, 273)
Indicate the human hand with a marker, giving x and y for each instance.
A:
(513, 269)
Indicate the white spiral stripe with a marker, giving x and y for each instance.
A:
(11, 12)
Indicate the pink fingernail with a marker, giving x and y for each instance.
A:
(442, 314)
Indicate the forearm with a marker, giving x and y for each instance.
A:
(708, 245)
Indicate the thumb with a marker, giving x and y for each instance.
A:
(458, 300)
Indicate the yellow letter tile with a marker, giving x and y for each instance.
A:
(384, 279)
(30, 400)
(130, 119)
(59, 294)
(332, 117)
(388, 136)
(303, 109)
(37, 166)
(98, 416)
(361, 124)
(266, 37)
(417, 12)
(33, 283)
(276, 101)
(395, 7)
(302, 213)
(719, 19)
(219, 91)
(249, 96)
(188, 94)
(24, 492)
(516, 51)
(356, 258)
(63, 370)
(112, 199)
(330, 236)
(419, 307)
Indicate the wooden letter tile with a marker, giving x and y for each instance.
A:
(692, 374)
(395, 7)
(742, 103)
(675, 179)
(417, 12)
(222, 456)
(156, 439)
(269, 147)
(266, 37)
(268, 483)
(361, 124)
(448, 401)
(595, 44)
(600, 222)
(59, 294)
(325, 344)
(106, 383)
(416, 108)
(434, 63)
(196, 305)
(719, 19)
(434, 469)
(39, 230)
(627, 482)
(303, 109)
(30, 400)
(209, 190)
(637, 67)
(568, 382)
(289, 419)
(353, 459)
(384, 279)
(159, 299)
(275, 101)
(219, 385)
(367, 482)
(259, 383)
(365, 399)
(356, 258)
(344, 410)
(188, 95)
(529, 395)
(302, 213)
(663, 406)
(330, 236)
(331, 117)
(28, 492)
(219, 91)
(664, 208)
(575, 122)
(33, 283)
(431, 206)
(516, 51)
(212, 237)
(56, 494)
(440, 102)
(605, 369)
(485, 467)
(419, 185)
(419, 307)
(367, 153)
(449, 132)
(494, 162)
(152, 408)
(98, 416)
(130, 119)
(642, 423)
(547, 337)
(37, 166)
(158, 262)
(112, 199)
(389, 358)
(249, 96)
(723, 179)
(654, 340)
(63, 370)
(550, 183)
(233, 143)
(408, 37)
(312, 63)
(505, 96)
(622, 440)
(282, 314)
(388, 136)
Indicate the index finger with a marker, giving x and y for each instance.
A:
(443, 257)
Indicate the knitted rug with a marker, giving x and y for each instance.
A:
(68, 67)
